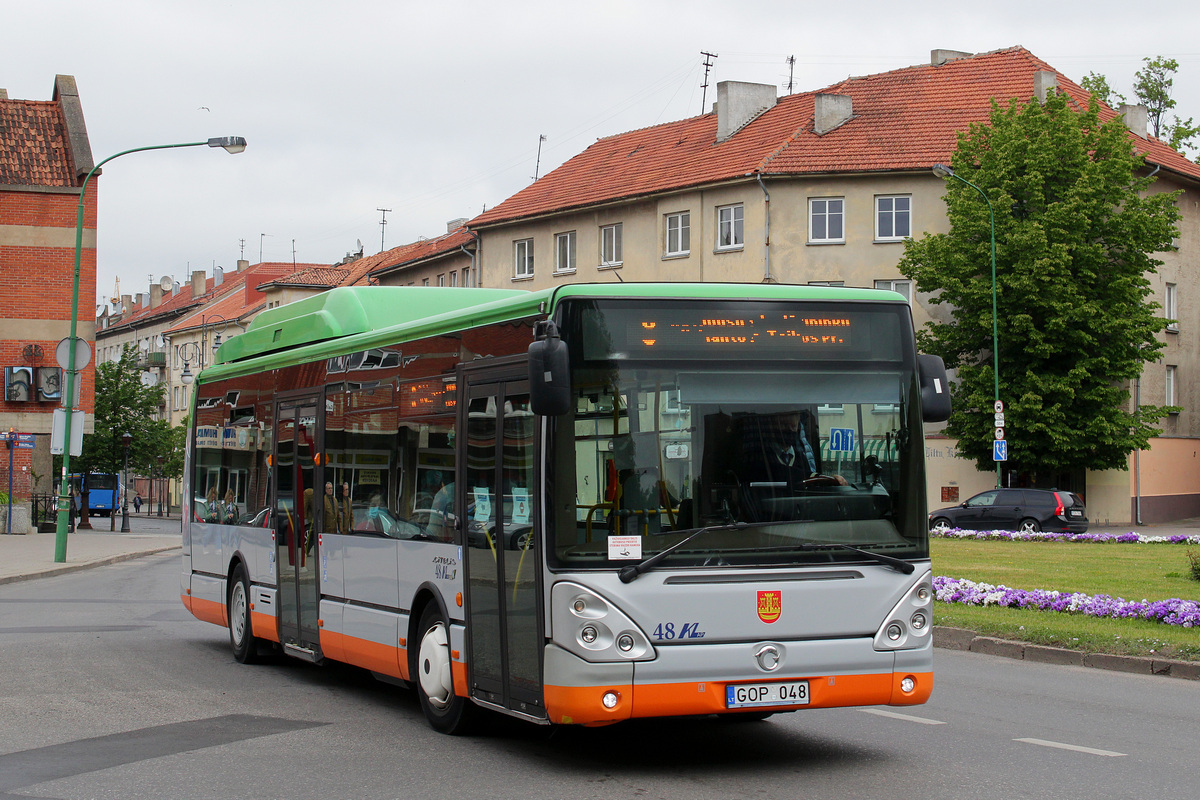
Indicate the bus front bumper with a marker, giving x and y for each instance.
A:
(693, 679)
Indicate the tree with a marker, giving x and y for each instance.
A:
(1098, 85)
(1152, 89)
(1075, 230)
(125, 404)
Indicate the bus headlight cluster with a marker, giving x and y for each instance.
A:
(907, 627)
(588, 625)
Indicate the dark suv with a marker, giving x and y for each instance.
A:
(1015, 510)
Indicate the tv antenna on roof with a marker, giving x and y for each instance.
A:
(382, 226)
(707, 66)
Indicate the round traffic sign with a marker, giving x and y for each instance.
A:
(999, 406)
(999, 434)
(83, 353)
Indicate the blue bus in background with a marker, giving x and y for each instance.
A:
(104, 491)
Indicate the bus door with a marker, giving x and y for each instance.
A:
(296, 526)
(499, 505)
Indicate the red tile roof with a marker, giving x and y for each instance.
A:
(906, 119)
(34, 147)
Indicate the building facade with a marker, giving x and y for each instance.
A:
(44, 158)
(825, 187)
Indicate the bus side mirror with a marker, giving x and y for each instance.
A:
(935, 389)
(549, 372)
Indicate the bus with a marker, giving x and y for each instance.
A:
(104, 491)
(563, 505)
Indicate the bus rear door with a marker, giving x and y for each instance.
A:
(296, 526)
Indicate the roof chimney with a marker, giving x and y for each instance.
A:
(3, 94)
(939, 57)
(242, 264)
(126, 304)
(1044, 82)
(198, 283)
(830, 111)
(218, 276)
(1135, 119)
(156, 293)
(455, 224)
(739, 104)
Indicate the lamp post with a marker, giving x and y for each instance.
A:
(126, 440)
(944, 171)
(161, 485)
(231, 144)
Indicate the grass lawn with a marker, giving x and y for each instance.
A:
(1129, 571)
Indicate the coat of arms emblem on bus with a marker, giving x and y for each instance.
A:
(770, 604)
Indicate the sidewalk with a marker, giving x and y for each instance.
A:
(32, 555)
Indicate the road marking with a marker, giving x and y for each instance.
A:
(1077, 748)
(906, 717)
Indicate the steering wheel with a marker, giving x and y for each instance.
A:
(819, 479)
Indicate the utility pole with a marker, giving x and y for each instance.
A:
(382, 227)
(261, 236)
(707, 66)
(293, 253)
(791, 60)
(537, 167)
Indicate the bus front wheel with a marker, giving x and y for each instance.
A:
(245, 646)
(445, 711)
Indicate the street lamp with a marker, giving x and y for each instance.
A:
(231, 144)
(944, 171)
(191, 351)
(126, 440)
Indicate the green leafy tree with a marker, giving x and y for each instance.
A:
(124, 404)
(1097, 84)
(1075, 230)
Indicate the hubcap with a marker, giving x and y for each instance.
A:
(433, 664)
(237, 622)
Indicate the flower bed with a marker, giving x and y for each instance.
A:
(1085, 538)
(1184, 613)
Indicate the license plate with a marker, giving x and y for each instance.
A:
(1076, 513)
(748, 695)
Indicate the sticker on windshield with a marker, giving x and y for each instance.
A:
(624, 548)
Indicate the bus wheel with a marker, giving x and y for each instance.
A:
(445, 711)
(245, 646)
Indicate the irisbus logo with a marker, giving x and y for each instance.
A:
(770, 605)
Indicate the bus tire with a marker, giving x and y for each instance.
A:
(445, 711)
(241, 638)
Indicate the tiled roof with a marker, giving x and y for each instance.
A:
(421, 250)
(34, 145)
(906, 119)
(322, 276)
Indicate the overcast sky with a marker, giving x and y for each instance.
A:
(434, 109)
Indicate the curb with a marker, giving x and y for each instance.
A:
(63, 569)
(964, 639)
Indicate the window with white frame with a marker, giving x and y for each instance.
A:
(1169, 386)
(826, 283)
(523, 258)
(679, 234)
(902, 287)
(730, 227)
(826, 220)
(466, 276)
(441, 279)
(610, 245)
(454, 277)
(424, 281)
(893, 217)
(564, 252)
(1171, 307)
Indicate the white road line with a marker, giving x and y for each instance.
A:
(1091, 750)
(906, 717)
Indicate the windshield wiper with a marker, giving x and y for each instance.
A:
(629, 573)
(888, 561)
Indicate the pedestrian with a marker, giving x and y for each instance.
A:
(137, 503)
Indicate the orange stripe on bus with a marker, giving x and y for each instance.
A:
(363, 653)
(583, 705)
(263, 626)
(208, 611)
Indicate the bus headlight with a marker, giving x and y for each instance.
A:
(594, 629)
(907, 626)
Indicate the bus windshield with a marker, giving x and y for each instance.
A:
(798, 418)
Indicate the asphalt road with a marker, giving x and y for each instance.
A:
(110, 689)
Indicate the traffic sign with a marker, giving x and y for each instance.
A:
(999, 421)
(999, 406)
(1000, 450)
(999, 434)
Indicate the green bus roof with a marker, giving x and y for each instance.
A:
(348, 319)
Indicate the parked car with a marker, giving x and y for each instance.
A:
(1015, 510)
